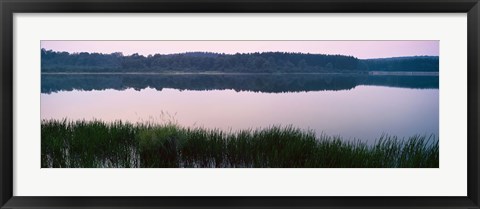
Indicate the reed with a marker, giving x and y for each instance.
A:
(98, 144)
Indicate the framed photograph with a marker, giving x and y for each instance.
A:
(264, 104)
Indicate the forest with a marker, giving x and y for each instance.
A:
(196, 62)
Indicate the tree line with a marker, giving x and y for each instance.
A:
(266, 62)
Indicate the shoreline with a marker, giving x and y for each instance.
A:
(371, 73)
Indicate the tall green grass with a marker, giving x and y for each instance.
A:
(97, 144)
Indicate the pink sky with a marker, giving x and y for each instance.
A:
(360, 49)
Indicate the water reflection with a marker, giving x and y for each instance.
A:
(270, 83)
(354, 110)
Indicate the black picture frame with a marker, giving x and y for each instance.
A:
(9, 7)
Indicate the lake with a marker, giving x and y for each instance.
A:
(352, 106)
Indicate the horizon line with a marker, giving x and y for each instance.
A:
(359, 49)
(241, 53)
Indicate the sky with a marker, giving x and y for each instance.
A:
(359, 49)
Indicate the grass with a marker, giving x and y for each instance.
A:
(97, 144)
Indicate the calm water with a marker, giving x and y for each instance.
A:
(361, 107)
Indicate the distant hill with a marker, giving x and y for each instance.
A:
(267, 62)
(411, 64)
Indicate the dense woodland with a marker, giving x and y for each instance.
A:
(267, 62)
